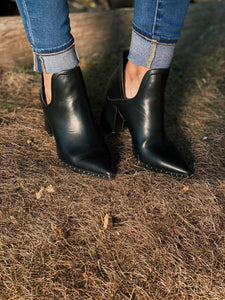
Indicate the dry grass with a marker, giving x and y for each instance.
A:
(168, 238)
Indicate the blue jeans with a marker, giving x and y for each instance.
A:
(47, 26)
(157, 26)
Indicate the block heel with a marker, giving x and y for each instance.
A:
(48, 127)
(112, 121)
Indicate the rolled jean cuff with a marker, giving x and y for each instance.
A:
(56, 62)
(150, 53)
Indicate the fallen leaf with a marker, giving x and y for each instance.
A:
(13, 220)
(30, 141)
(40, 193)
(59, 233)
(185, 189)
(50, 189)
(108, 221)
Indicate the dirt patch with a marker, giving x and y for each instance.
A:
(166, 239)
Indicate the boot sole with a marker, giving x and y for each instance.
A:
(157, 170)
(149, 167)
(86, 172)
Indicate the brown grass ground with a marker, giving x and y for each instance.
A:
(168, 238)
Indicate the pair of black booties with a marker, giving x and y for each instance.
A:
(79, 141)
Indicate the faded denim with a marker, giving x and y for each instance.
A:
(157, 26)
(47, 26)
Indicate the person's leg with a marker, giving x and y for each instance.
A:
(157, 27)
(68, 117)
(48, 29)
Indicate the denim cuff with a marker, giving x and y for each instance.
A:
(56, 62)
(150, 53)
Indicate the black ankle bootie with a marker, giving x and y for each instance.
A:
(144, 117)
(79, 142)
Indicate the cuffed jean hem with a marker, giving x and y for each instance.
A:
(56, 62)
(150, 53)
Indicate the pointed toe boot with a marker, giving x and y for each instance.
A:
(144, 117)
(79, 142)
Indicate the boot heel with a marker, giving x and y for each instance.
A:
(111, 121)
(48, 127)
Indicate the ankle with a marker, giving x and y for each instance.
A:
(47, 78)
(133, 75)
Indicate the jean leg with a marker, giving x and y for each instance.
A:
(157, 27)
(47, 26)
